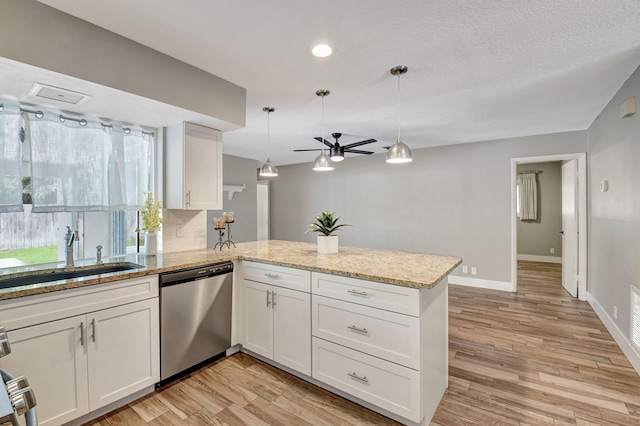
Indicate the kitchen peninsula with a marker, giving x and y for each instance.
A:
(369, 325)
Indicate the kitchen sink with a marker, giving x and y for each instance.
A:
(55, 274)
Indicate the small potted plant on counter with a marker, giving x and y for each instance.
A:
(326, 225)
(151, 221)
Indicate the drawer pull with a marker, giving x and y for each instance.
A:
(358, 292)
(358, 329)
(268, 301)
(361, 378)
(270, 275)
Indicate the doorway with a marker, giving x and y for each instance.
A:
(574, 219)
(263, 210)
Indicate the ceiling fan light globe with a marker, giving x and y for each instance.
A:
(337, 158)
(322, 163)
(399, 153)
(268, 169)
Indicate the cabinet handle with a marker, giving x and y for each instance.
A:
(358, 292)
(361, 378)
(188, 198)
(273, 299)
(270, 275)
(81, 333)
(93, 330)
(268, 301)
(358, 329)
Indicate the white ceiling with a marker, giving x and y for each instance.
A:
(478, 69)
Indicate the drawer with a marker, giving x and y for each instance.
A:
(295, 279)
(40, 308)
(395, 298)
(388, 335)
(381, 383)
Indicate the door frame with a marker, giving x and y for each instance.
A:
(581, 157)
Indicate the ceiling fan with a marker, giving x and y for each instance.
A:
(337, 151)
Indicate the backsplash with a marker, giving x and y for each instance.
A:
(194, 229)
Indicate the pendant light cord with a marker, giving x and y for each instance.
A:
(323, 123)
(268, 136)
(398, 107)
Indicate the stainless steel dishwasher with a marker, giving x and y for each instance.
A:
(195, 318)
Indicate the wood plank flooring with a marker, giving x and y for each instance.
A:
(535, 357)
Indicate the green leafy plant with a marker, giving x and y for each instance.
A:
(325, 224)
(150, 211)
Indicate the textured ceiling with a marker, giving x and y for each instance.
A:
(478, 69)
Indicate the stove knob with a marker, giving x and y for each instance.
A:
(5, 347)
(21, 395)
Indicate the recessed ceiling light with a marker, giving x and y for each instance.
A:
(321, 50)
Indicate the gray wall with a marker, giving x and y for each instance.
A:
(238, 171)
(614, 234)
(537, 237)
(39, 35)
(450, 200)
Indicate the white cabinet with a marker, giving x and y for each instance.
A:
(193, 158)
(276, 319)
(83, 362)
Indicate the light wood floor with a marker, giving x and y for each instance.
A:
(534, 357)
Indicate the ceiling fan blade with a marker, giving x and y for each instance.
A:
(353, 145)
(357, 151)
(327, 143)
(300, 150)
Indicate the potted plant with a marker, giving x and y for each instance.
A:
(326, 225)
(151, 221)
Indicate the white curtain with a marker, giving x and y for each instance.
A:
(86, 168)
(10, 158)
(528, 196)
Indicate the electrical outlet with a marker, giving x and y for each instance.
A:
(552, 250)
(180, 231)
(473, 270)
(615, 312)
(465, 269)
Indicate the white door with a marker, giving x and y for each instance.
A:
(202, 168)
(263, 211)
(123, 351)
(52, 357)
(258, 318)
(292, 329)
(570, 227)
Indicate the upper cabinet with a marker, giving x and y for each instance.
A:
(193, 173)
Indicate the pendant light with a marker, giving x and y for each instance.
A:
(322, 162)
(399, 151)
(268, 169)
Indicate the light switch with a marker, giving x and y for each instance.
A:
(604, 186)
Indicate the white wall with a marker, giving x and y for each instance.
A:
(614, 237)
(535, 238)
(450, 200)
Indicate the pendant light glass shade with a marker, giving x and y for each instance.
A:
(399, 151)
(268, 169)
(322, 162)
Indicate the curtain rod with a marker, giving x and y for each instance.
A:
(530, 171)
(80, 121)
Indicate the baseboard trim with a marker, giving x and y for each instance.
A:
(625, 345)
(536, 258)
(481, 283)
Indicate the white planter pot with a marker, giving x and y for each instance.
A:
(327, 245)
(150, 244)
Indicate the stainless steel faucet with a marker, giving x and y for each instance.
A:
(98, 255)
(69, 238)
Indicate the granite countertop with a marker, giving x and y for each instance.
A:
(392, 267)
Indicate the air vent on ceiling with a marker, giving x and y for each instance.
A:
(70, 97)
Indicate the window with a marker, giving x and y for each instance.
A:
(70, 171)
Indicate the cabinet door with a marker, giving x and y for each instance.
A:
(202, 168)
(258, 318)
(123, 351)
(292, 329)
(53, 359)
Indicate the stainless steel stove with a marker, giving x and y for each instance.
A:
(16, 396)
